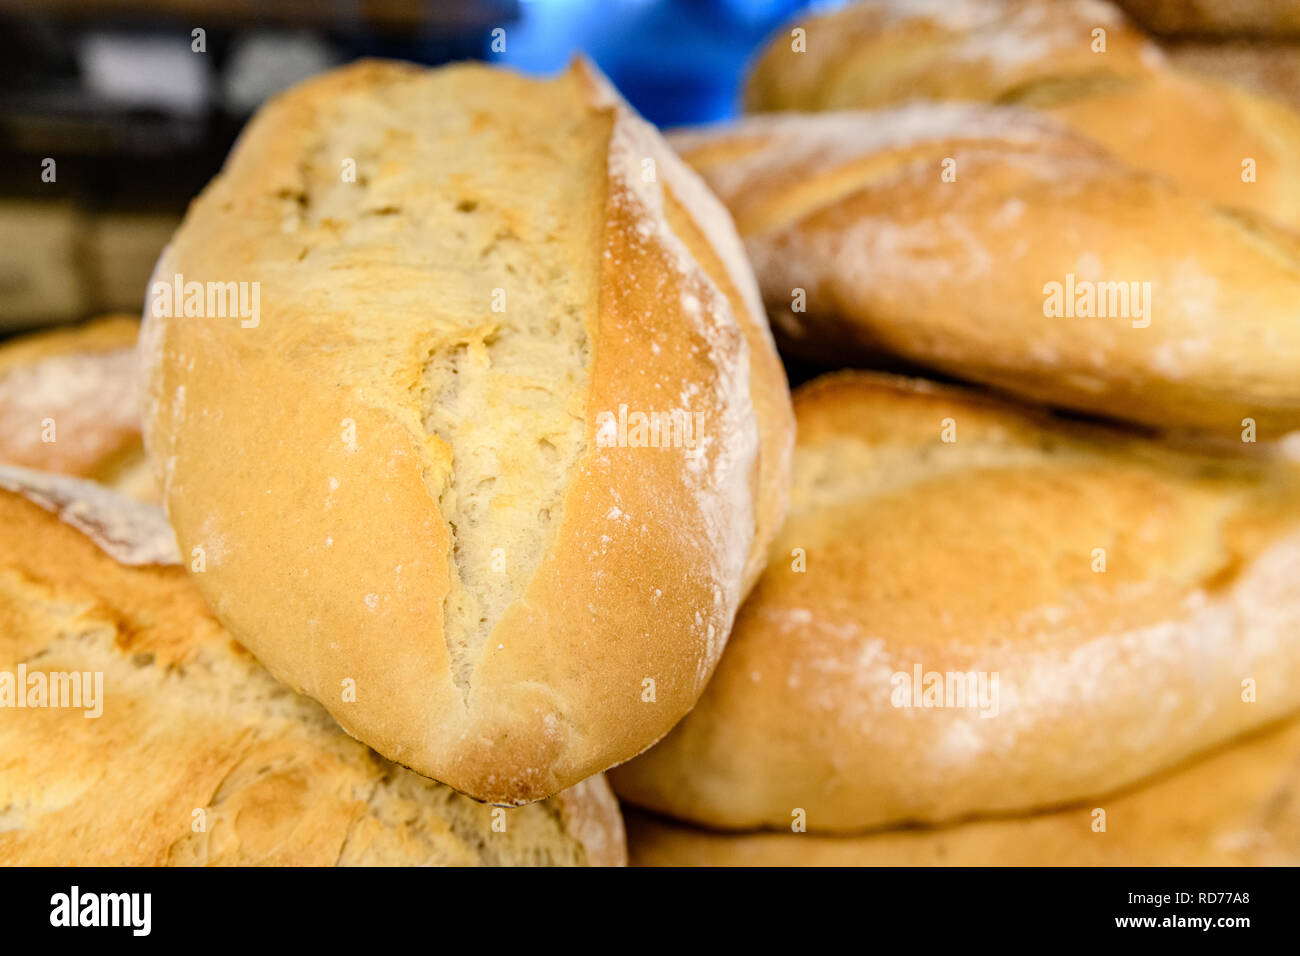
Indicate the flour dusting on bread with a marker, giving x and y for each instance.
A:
(131, 531)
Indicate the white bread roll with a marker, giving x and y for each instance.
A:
(191, 753)
(1043, 265)
(417, 476)
(1238, 806)
(1029, 614)
(1081, 61)
(881, 52)
(69, 404)
(1215, 18)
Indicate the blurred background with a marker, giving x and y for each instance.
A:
(114, 113)
(137, 102)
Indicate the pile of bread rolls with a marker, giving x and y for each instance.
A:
(480, 475)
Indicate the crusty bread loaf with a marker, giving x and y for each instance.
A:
(1040, 53)
(883, 52)
(69, 404)
(1048, 268)
(1096, 608)
(197, 754)
(1240, 806)
(1206, 18)
(417, 477)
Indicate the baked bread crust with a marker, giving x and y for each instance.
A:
(352, 466)
(1038, 53)
(852, 209)
(883, 52)
(82, 379)
(190, 722)
(979, 557)
(1213, 18)
(1270, 69)
(1239, 806)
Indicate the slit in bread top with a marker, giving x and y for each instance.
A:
(394, 473)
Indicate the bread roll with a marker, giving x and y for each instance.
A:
(1041, 53)
(69, 404)
(1255, 18)
(878, 53)
(418, 476)
(1237, 807)
(197, 755)
(1047, 268)
(1029, 614)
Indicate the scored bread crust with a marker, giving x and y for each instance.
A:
(320, 459)
(1239, 806)
(193, 731)
(851, 208)
(69, 404)
(980, 556)
(1190, 129)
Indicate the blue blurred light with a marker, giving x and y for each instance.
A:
(677, 61)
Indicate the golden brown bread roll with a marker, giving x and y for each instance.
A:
(1203, 18)
(1047, 267)
(1239, 806)
(432, 477)
(186, 751)
(881, 52)
(973, 609)
(69, 404)
(1043, 54)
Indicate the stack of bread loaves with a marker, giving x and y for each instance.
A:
(994, 620)
(473, 442)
